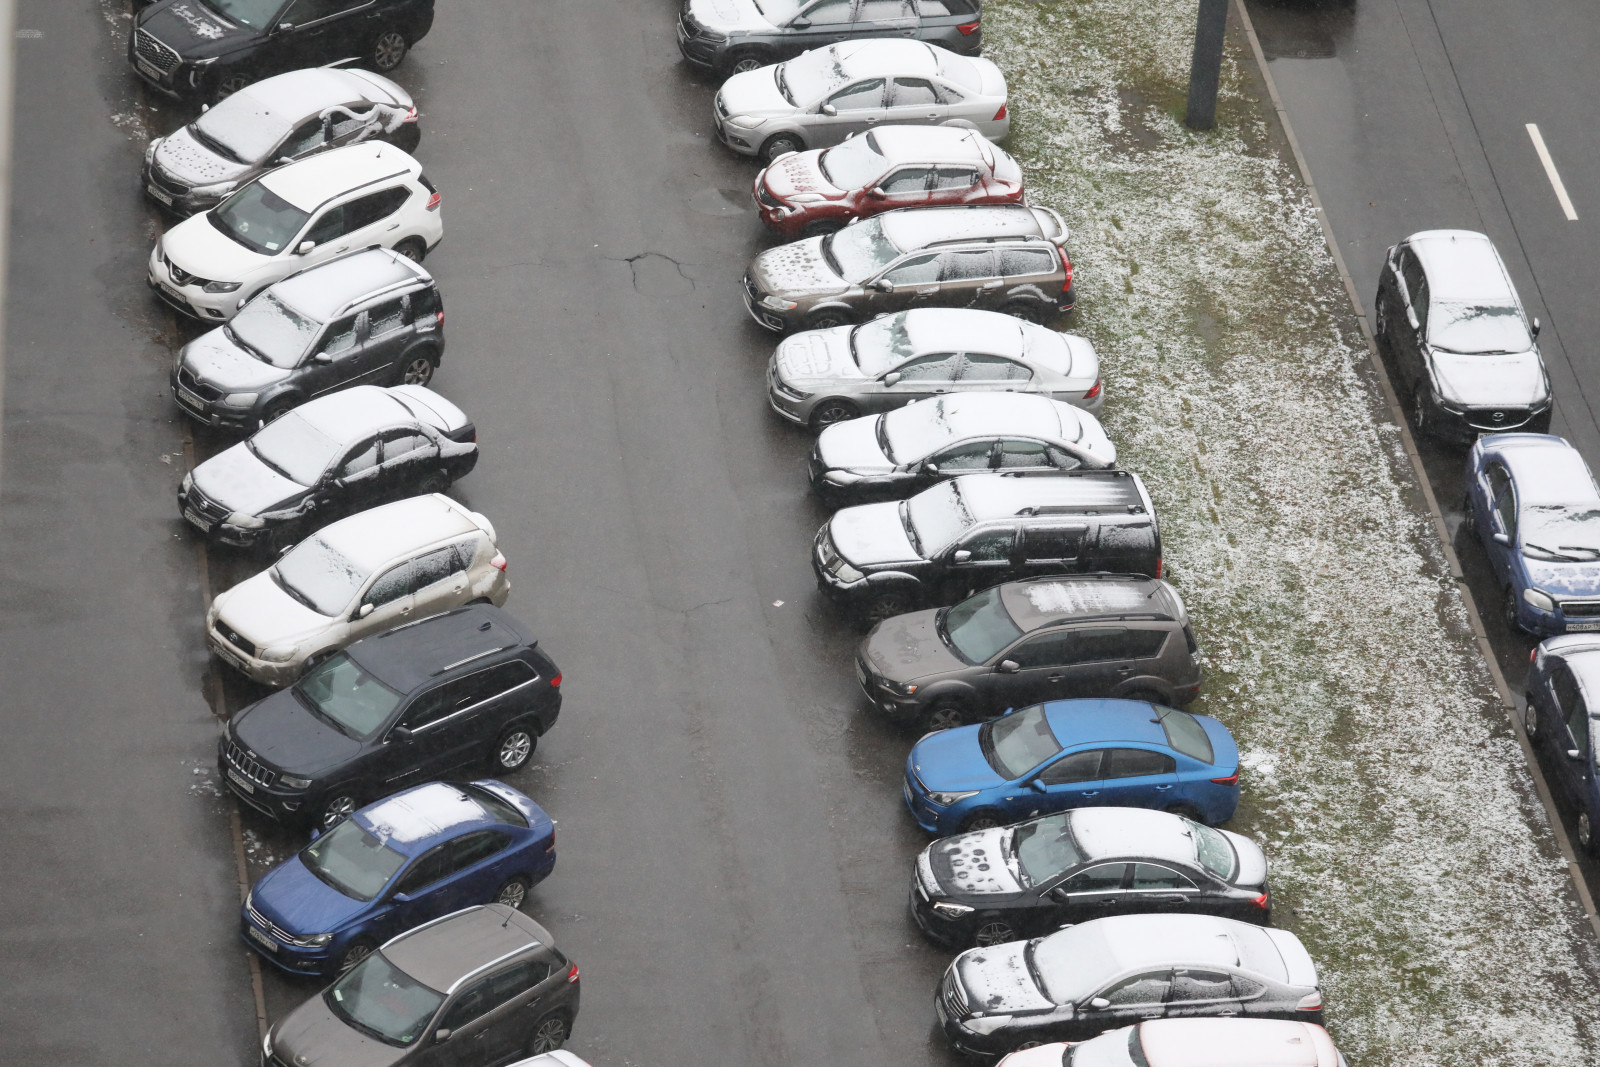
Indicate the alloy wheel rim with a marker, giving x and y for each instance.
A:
(831, 414)
(994, 934)
(744, 66)
(514, 750)
(231, 84)
(354, 955)
(551, 1035)
(1585, 831)
(945, 718)
(987, 822)
(338, 810)
(420, 372)
(512, 895)
(389, 51)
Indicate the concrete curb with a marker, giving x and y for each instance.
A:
(1397, 415)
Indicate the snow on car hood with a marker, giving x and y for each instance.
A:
(755, 92)
(259, 610)
(191, 29)
(217, 361)
(796, 268)
(1517, 381)
(1564, 579)
(189, 162)
(799, 173)
(1252, 861)
(726, 15)
(870, 534)
(201, 249)
(237, 480)
(907, 647)
(817, 355)
(975, 864)
(853, 445)
(997, 981)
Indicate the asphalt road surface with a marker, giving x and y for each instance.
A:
(734, 854)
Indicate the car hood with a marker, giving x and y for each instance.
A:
(870, 534)
(1517, 381)
(1252, 861)
(258, 609)
(186, 160)
(975, 864)
(215, 360)
(907, 647)
(997, 981)
(950, 761)
(201, 249)
(796, 268)
(755, 92)
(312, 1036)
(1564, 579)
(800, 172)
(237, 480)
(281, 731)
(817, 356)
(727, 15)
(292, 898)
(853, 445)
(191, 30)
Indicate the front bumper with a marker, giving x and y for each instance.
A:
(1465, 425)
(1558, 622)
(258, 670)
(286, 957)
(167, 193)
(281, 805)
(737, 139)
(204, 519)
(188, 298)
(697, 51)
(211, 412)
(897, 706)
(765, 317)
(925, 813)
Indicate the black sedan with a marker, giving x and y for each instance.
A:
(335, 455)
(1012, 882)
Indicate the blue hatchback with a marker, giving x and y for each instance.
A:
(1073, 754)
(1536, 509)
(426, 852)
(1563, 702)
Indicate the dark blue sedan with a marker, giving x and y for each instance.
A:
(1073, 754)
(396, 864)
(1563, 702)
(1535, 507)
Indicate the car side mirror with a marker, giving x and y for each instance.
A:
(829, 110)
(1574, 755)
(366, 609)
(444, 1032)
(892, 378)
(876, 192)
(960, 555)
(800, 22)
(1038, 786)
(204, 108)
(305, 248)
(284, 27)
(883, 285)
(1098, 1004)
(930, 467)
(1536, 326)
(322, 357)
(316, 832)
(401, 733)
(1501, 539)
(1008, 666)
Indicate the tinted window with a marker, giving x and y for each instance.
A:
(940, 368)
(953, 178)
(1015, 261)
(1022, 455)
(391, 585)
(862, 96)
(473, 848)
(355, 701)
(1410, 271)
(1578, 728)
(1101, 643)
(303, 139)
(473, 1002)
(1105, 878)
(885, 10)
(829, 12)
(913, 92)
(436, 566)
(1245, 989)
(398, 445)
(920, 271)
(305, 11)
(1186, 734)
(980, 626)
(364, 458)
(1138, 763)
(436, 703)
(330, 226)
(1045, 650)
(1019, 742)
(1566, 691)
(1078, 767)
(374, 207)
(966, 266)
(1141, 989)
(1053, 542)
(341, 336)
(1143, 644)
(1155, 876)
(985, 368)
(495, 807)
(906, 181)
(1201, 985)
(990, 545)
(351, 861)
(386, 318)
(970, 456)
(426, 870)
(518, 979)
(382, 999)
(501, 678)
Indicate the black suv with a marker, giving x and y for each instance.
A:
(730, 36)
(978, 530)
(460, 689)
(369, 317)
(216, 47)
(1049, 638)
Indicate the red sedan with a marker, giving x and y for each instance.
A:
(807, 193)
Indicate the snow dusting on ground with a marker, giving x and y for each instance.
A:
(1408, 849)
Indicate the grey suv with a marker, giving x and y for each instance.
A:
(732, 36)
(1003, 257)
(474, 988)
(1091, 635)
(367, 318)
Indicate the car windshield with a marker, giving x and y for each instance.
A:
(934, 518)
(272, 331)
(811, 75)
(858, 252)
(881, 345)
(340, 692)
(1073, 963)
(319, 576)
(1471, 328)
(853, 164)
(352, 861)
(1019, 742)
(1044, 848)
(241, 127)
(256, 14)
(294, 448)
(380, 999)
(259, 219)
(1186, 734)
(1213, 850)
(1561, 533)
(978, 627)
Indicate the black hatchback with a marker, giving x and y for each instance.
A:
(466, 688)
(212, 48)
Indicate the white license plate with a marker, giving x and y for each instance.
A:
(1583, 627)
(262, 939)
(186, 397)
(197, 519)
(148, 67)
(159, 195)
(239, 780)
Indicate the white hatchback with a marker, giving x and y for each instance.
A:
(362, 575)
(1194, 1042)
(363, 196)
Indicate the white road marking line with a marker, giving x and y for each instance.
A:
(1550, 172)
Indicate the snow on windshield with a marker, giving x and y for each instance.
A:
(324, 579)
(1558, 533)
(295, 447)
(1477, 329)
(917, 430)
(813, 74)
(1074, 963)
(273, 330)
(244, 126)
(937, 516)
(853, 164)
(881, 344)
(862, 250)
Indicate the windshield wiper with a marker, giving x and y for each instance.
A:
(1555, 555)
(212, 143)
(255, 353)
(294, 593)
(322, 716)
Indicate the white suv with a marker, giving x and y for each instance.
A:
(362, 575)
(363, 196)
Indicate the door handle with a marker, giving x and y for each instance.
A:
(1090, 793)
(1053, 677)
(394, 226)
(346, 248)
(929, 289)
(1163, 787)
(407, 611)
(1124, 670)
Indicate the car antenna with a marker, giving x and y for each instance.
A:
(507, 919)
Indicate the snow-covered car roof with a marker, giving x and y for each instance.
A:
(932, 144)
(312, 182)
(1159, 835)
(883, 55)
(369, 539)
(997, 496)
(921, 428)
(254, 119)
(350, 415)
(1032, 604)
(422, 813)
(1236, 1043)
(1462, 266)
(934, 330)
(1135, 942)
(325, 290)
(918, 227)
(1547, 469)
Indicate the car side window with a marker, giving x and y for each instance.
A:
(1069, 770)
(339, 336)
(1101, 643)
(967, 265)
(306, 136)
(1155, 876)
(1419, 304)
(920, 271)
(365, 458)
(982, 367)
(1047, 544)
(374, 207)
(907, 181)
(305, 11)
(329, 226)
(1246, 989)
(862, 96)
(885, 11)
(1578, 727)
(949, 94)
(350, 119)
(437, 703)
(426, 870)
(436, 566)
(1142, 644)
(948, 179)
(1016, 455)
(1565, 689)
(1148, 988)
(386, 318)
(1019, 261)
(1045, 650)
(501, 679)
(990, 546)
(1105, 878)
(472, 1003)
(518, 979)
(940, 368)
(1189, 986)
(1138, 763)
(401, 446)
(968, 456)
(391, 585)
(914, 92)
(828, 13)
(1505, 499)
(472, 848)
(1410, 271)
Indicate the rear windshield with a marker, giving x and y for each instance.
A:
(495, 807)
(1214, 851)
(1186, 735)
(960, 70)
(1018, 743)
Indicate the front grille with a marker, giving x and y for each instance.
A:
(954, 997)
(187, 379)
(230, 635)
(687, 24)
(166, 184)
(767, 198)
(1494, 420)
(206, 508)
(248, 767)
(1581, 609)
(750, 287)
(154, 52)
(272, 928)
(179, 275)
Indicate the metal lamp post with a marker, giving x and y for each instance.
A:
(1205, 74)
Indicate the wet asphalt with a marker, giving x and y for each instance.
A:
(733, 850)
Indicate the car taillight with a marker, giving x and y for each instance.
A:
(1232, 779)
(1095, 391)
(555, 683)
(572, 974)
(411, 116)
(499, 562)
(1261, 901)
(433, 202)
(1533, 653)
(1159, 562)
(969, 29)
(438, 317)
(1310, 1002)
(551, 847)
(998, 115)
(1066, 265)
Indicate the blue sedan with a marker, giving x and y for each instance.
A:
(396, 864)
(1073, 754)
(1535, 507)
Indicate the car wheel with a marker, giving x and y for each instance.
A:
(1380, 321)
(830, 411)
(828, 318)
(982, 819)
(388, 50)
(549, 1033)
(822, 227)
(276, 409)
(1530, 718)
(513, 893)
(229, 84)
(1026, 1045)
(1187, 812)
(418, 371)
(946, 715)
(354, 953)
(746, 59)
(1585, 832)
(1024, 310)
(437, 482)
(887, 606)
(338, 806)
(1419, 410)
(412, 248)
(1508, 610)
(780, 144)
(514, 748)
(1469, 515)
(993, 932)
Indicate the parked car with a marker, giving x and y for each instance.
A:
(730, 38)
(216, 48)
(1534, 504)
(361, 196)
(418, 702)
(395, 865)
(368, 317)
(927, 441)
(1110, 972)
(978, 530)
(1071, 754)
(488, 979)
(1454, 327)
(362, 575)
(1045, 638)
(335, 455)
(1193, 1042)
(804, 194)
(821, 97)
(1014, 882)
(1563, 697)
(998, 257)
(282, 119)
(560, 1058)
(821, 377)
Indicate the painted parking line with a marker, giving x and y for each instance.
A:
(1551, 172)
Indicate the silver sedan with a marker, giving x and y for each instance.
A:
(820, 98)
(824, 376)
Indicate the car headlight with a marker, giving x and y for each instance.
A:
(266, 1044)
(949, 910)
(278, 653)
(846, 573)
(744, 122)
(946, 799)
(188, 482)
(240, 400)
(316, 942)
(298, 783)
(150, 151)
(219, 189)
(779, 303)
(985, 1024)
(245, 522)
(712, 35)
(906, 688)
(221, 287)
(1539, 599)
(839, 477)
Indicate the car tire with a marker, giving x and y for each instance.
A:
(945, 715)
(781, 144)
(354, 953)
(549, 1033)
(828, 318)
(887, 605)
(982, 819)
(1469, 515)
(276, 409)
(827, 412)
(413, 249)
(1530, 719)
(337, 806)
(992, 930)
(1421, 424)
(741, 60)
(388, 49)
(513, 749)
(1508, 610)
(418, 370)
(1025, 310)
(822, 227)
(1585, 834)
(1187, 812)
(436, 482)
(228, 83)
(513, 893)
(1380, 321)
(1024, 1046)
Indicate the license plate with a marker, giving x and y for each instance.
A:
(239, 780)
(262, 939)
(190, 399)
(149, 68)
(197, 519)
(159, 195)
(1582, 627)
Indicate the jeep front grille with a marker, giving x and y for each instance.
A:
(256, 772)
